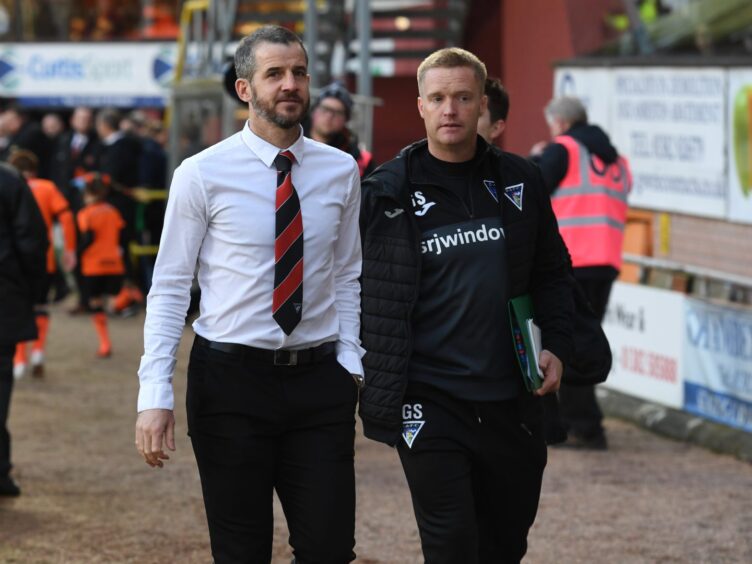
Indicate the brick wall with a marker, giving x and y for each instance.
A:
(707, 243)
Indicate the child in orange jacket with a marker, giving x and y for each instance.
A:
(102, 266)
(54, 208)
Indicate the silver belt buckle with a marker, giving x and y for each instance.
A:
(284, 357)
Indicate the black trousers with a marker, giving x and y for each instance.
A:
(6, 389)
(474, 471)
(256, 428)
(578, 406)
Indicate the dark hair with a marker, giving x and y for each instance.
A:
(498, 99)
(337, 91)
(245, 54)
(111, 117)
(96, 184)
(23, 161)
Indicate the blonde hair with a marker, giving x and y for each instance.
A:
(452, 57)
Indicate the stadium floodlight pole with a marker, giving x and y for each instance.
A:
(312, 40)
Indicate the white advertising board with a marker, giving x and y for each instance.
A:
(718, 363)
(670, 123)
(644, 326)
(592, 86)
(98, 74)
(740, 145)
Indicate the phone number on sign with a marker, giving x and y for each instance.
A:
(648, 363)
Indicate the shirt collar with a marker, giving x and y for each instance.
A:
(113, 138)
(267, 152)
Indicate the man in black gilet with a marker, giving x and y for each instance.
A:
(452, 229)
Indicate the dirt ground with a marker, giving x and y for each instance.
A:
(88, 497)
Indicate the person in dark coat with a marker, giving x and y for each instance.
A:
(24, 133)
(589, 182)
(452, 230)
(119, 151)
(330, 113)
(75, 154)
(23, 265)
(119, 158)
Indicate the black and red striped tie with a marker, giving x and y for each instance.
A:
(287, 301)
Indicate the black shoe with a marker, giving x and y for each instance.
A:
(8, 487)
(578, 442)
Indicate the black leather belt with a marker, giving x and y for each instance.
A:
(278, 357)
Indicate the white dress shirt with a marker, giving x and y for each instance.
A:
(220, 216)
(78, 141)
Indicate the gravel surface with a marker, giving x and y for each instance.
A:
(88, 497)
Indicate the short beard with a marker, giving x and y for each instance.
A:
(268, 113)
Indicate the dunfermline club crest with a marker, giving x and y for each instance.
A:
(410, 430)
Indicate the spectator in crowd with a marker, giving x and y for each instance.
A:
(329, 116)
(119, 151)
(55, 209)
(120, 158)
(588, 181)
(452, 230)
(4, 132)
(190, 141)
(131, 122)
(23, 248)
(100, 247)
(52, 126)
(152, 174)
(25, 133)
(493, 120)
(105, 20)
(152, 170)
(75, 153)
(271, 393)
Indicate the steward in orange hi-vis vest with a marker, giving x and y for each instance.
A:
(591, 205)
(101, 224)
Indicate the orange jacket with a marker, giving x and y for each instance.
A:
(591, 206)
(103, 223)
(54, 207)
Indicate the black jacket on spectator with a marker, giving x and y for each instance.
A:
(66, 163)
(153, 165)
(536, 260)
(32, 138)
(23, 257)
(121, 161)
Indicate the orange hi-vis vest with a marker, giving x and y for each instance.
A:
(104, 256)
(591, 206)
(54, 206)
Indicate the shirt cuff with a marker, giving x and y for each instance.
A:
(350, 361)
(155, 396)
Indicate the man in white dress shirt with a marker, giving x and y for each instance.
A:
(271, 218)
